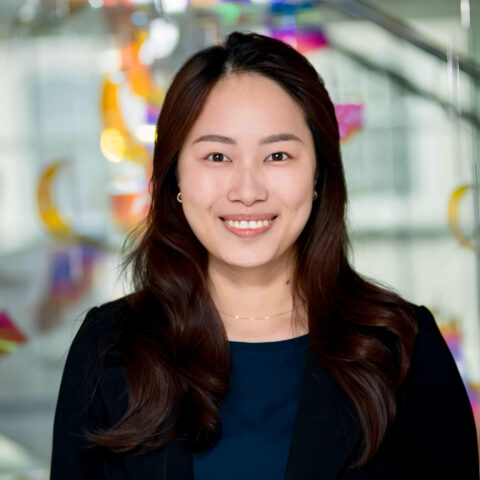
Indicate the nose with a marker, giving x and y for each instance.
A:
(247, 185)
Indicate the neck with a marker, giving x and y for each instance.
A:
(261, 296)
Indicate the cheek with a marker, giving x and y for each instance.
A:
(200, 187)
(200, 193)
(294, 190)
(296, 194)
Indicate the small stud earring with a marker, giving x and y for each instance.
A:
(315, 194)
(179, 197)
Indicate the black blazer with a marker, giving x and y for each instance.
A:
(433, 436)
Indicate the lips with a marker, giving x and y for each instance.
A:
(243, 228)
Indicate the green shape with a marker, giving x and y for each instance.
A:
(309, 16)
(229, 13)
(7, 345)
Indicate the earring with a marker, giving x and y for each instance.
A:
(315, 194)
(179, 197)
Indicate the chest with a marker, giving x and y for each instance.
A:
(258, 414)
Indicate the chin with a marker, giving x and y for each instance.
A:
(247, 260)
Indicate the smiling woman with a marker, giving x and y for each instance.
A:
(250, 347)
(263, 175)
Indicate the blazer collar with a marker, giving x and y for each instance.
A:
(325, 436)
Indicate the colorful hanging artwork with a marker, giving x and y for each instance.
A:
(117, 142)
(302, 39)
(350, 118)
(453, 218)
(10, 336)
(130, 200)
(138, 75)
(71, 272)
(49, 213)
(129, 195)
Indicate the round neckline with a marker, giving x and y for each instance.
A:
(268, 346)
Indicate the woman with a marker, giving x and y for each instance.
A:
(250, 347)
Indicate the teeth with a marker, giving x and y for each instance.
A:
(250, 224)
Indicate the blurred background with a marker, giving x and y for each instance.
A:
(81, 86)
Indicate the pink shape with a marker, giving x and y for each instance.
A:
(349, 118)
(302, 40)
(5, 321)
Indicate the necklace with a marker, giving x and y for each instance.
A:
(256, 318)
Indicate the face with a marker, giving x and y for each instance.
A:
(246, 172)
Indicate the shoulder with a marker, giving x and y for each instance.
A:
(431, 353)
(433, 380)
(101, 331)
(102, 317)
(93, 378)
(434, 414)
(99, 319)
(426, 321)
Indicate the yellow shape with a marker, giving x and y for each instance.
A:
(49, 213)
(112, 119)
(112, 144)
(453, 216)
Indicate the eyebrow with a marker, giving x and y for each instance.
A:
(278, 137)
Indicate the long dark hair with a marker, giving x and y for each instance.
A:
(177, 360)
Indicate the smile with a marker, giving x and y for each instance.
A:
(246, 228)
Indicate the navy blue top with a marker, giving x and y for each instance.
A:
(258, 413)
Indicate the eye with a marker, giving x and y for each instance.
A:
(216, 157)
(277, 156)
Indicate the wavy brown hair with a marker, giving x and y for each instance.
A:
(177, 358)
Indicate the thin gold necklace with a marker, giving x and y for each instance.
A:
(256, 318)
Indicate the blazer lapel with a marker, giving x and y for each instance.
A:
(324, 437)
(325, 432)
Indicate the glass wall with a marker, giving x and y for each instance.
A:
(81, 86)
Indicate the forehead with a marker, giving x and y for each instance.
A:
(251, 84)
(249, 99)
